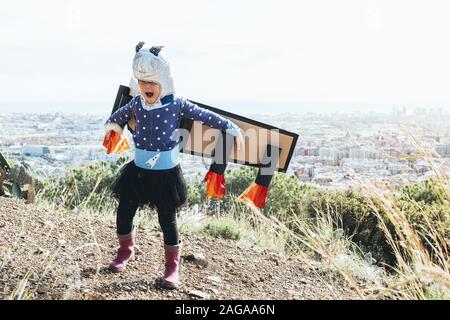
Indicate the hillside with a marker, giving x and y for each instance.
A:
(52, 255)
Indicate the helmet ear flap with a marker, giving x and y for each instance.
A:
(156, 50)
(139, 46)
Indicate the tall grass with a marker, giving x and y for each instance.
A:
(421, 252)
(420, 274)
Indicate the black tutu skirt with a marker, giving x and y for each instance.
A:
(159, 189)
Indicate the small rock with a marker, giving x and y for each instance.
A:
(294, 294)
(199, 294)
(303, 280)
(214, 279)
(215, 291)
(39, 251)
(42, 290)
(62, 242)
(137, 250)
(94, 296)
(126, 288)
(197, 258)
(49, 223)
(2, 224)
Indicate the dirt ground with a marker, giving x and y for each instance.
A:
(51, 255)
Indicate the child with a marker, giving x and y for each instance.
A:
(154, 177)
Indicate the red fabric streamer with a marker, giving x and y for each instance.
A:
(215, 185)
(256, 194)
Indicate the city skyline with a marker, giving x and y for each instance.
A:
(244, 108)
(336, 151)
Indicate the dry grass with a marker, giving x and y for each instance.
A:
(421, 274)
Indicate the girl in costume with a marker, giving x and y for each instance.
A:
(154, 178)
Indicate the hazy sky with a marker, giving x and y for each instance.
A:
(235, 50)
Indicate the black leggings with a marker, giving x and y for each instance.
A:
(167, 220)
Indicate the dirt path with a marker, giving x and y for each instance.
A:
(64, 256)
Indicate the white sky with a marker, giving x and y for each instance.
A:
(235, 50)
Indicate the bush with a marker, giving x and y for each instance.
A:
(353, 213)
(88, 186)
(223, 229)
(425, 206)
(431, 191)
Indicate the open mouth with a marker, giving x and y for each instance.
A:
(149, 94)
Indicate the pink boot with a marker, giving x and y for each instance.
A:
(125, 252)
(172, 262)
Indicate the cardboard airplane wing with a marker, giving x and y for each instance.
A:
(266, 147)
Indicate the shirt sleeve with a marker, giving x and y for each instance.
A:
(118, 119)
(209, 118)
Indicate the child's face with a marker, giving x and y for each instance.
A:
(149, 90)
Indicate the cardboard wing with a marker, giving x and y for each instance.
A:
(201, 140)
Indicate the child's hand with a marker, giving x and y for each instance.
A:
(113, 142)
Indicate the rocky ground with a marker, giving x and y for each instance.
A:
(51, 255)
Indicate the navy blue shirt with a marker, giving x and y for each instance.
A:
(157, 127)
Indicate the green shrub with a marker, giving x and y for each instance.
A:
(195, 194)
(353, 213)
(431, 191)
(88, 186)
(222, 229)
(425, 206)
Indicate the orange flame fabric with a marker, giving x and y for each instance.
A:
(115, 143)
(215, 185)
(255, 194)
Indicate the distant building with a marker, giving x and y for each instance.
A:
(303, 174)
(443, 150)
(303, 177)
(35, 151)
(323, 181)
(357, 153)
(306, 151)
(331, 153)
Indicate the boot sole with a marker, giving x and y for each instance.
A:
(168, 285)
(116, 270)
